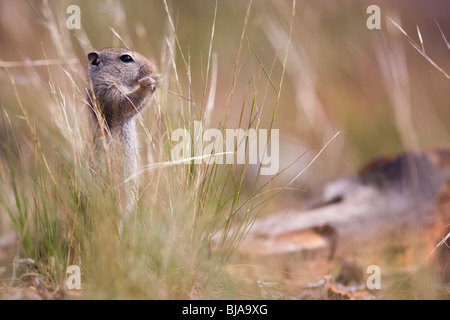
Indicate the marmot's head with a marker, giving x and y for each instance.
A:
(120, 83)
(118, 68)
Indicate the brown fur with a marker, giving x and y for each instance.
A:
(117, 91)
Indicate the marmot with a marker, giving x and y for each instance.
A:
(120, 84)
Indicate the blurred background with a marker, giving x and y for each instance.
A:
(371, 85)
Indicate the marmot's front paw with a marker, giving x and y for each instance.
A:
(148, 82)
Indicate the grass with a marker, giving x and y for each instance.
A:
(67, 213)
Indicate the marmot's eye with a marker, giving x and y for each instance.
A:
(126, 58)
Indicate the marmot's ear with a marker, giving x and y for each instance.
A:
(93, 58)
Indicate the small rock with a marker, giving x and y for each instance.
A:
(350, 274)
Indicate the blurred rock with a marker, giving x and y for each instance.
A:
(9, 246)
(388, 192)
(314, 290)
(350, 274)
(391, 196)
(22, 281)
